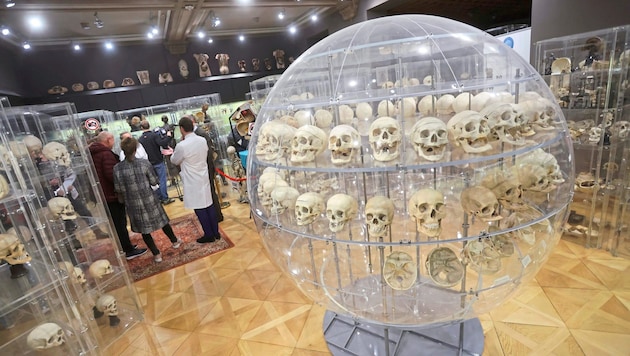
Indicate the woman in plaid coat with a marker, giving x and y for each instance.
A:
(134, 180)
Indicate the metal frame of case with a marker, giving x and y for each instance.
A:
(589, 74)
(47, 291)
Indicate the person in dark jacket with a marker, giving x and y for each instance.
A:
(104, 161)
(199, 131)
(134, 180)
(153, 142)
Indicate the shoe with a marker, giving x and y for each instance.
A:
(177, 243)
(205, 239)
(220, 218)
(136, 252)
(157, 258)
(167, 201)
(217, 238)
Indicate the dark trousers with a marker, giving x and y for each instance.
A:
(208, 220)
(148, 239)
(215, 198)
(119, 218)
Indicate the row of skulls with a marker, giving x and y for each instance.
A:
(302, 137)
(98, 269)
(587, 130)
(33, 147)
(537, 172)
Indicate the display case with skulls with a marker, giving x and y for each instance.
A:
(431, 213)
(55, 238)
(589, 75)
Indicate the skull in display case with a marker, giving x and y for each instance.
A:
(400, 271)
(308, 142)
(426, 206)
(100, 268)
(379, 214)
(308, 207)
(481, 202)
(12, 250)
(470, 130)
(343, 142)
(61, 208)
(340, 209)
(55, 151)
(385, 139)
(282, 199)
(275, 141)
(45, 336)
(430, 138)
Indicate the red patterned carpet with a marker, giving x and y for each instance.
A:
(186, 228)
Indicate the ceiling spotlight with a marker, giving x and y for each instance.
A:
(154, 30)
(215, 21)
(292, 29)
(98, 22)
(281, 14)
(36, 23)
(77, 47)
(201, 34)
(5, 31)
(210, 40)
(241, 38)
(150, 34)
(109, 45)
(314, 18)
(9, 3)
(26, 45)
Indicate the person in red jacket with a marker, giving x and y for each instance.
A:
(104, 161)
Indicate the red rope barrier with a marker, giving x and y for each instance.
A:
(228, 177)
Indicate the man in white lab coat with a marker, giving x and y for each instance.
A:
(190, 154)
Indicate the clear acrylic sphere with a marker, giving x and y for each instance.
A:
(410, 170)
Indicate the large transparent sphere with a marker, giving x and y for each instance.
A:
(410, 170)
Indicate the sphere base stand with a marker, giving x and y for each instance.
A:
(347, 336)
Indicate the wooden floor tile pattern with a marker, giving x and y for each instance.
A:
(238, 303)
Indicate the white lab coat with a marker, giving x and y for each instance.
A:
(190, 154)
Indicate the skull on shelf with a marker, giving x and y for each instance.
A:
(307, 143)
(5, 189)
(55, 151)
(283, 198)
(427, 207)
(547, 161)
(66, 268)
(543, 113)
(426, 105)
(620, 129)
(266, 187)
(406, 106)
(275, 140)
(363, 111)
(385, 138)
(506, 188)
(504, 121)
(444, 267)
(462, 102)
(399, 270)
(379, 214)
(323, 118)
(78, 276)
(33, 144)
(12, 250)
(594, 134)
(303, 117)
(308, 207)
(386, 108)
(343, 142)
(346, 114)
(107, 304)
(481, 202)
(445, 104)
(533, 177)
(100, 268)
(340, 209)
(429, 137)
(470, 130)
(62, 208)
(45, 336)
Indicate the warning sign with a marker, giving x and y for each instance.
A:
(92, 124)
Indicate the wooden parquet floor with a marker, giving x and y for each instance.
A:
(237, 302)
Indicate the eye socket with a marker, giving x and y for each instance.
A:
(425, 133)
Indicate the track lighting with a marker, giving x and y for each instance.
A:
(5, 31)
(281, 14)
(76, 46)
(26, 45)
(98, 22)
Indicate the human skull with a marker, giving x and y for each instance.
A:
(78, 276)
(547, 161)
(544, 113)
(445, 104)
(594, 134)
(479, 101)
(22, 231)
(107, 304)
(5, 189)
(275, 140)
(55, 151)
(340, 209)
(12, 250)
(507, 188)
(303, 117)
(33, 144)
(533, 177)
(427, 105)
(45, 336)
(343, 142)
(620, 129)
(283, 198)
(523, 233)
(266, 185)
(505, 122)
(429, 137)
(363, 111)
(385, 138)
(482, 256)
(308, 141)
(462, 102)
(100, 268)
(379, 213)
(444, 267)
(479, 201)
(470, 130)
(406, 106)
(346, 114)
(399, 270)
(386, 108)
(66, 267)
(427, 80)
(62, 208)
(585, 182)
(308, 207)
(427, 207)
(323, 118)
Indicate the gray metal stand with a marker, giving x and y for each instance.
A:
(346, 336)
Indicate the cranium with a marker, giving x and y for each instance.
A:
(505, 121)
(385, 138)
(100, 268)
(482, 256)
(266, 185)
(12, 250)
(543, 113)
(386, 108)
(45, 336)
(323, 118)
(283, 198)
(407, 107)
(5, 189)
(506, 187)
(78, 276)
(66, 267)
(523, 233)
(533, 177)
(275, 141)
(346, 114)
(343, 142)
(21, 231)
(33, 145)
(429, 137)
(107, 304)
(585, 182)
(427, 105)
(503, 244)
(470, 130)
(427, 80)
(547, 161)
(479, 101)
(445, 104)
(399, 270)
(462, 102)
(55, 151)
(479, 201)
(62, 208)
(18, 148)
(304, 117)
(620, 129)
(594, 134)
(379, 213)
(363, 111)
(340, 209)
(308, 207)
(427, 207)
(444, 268)
(308, 141)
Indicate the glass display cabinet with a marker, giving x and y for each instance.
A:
(410, 172)
(588, 75)
(153, 114)
(65, 286)
(259, 88)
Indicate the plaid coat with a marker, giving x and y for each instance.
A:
(132, 182)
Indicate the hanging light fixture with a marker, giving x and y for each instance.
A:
(215, 21)
(9, 3)
(97, 21)
(281, 14)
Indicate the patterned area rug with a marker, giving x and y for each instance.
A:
(186, 228)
